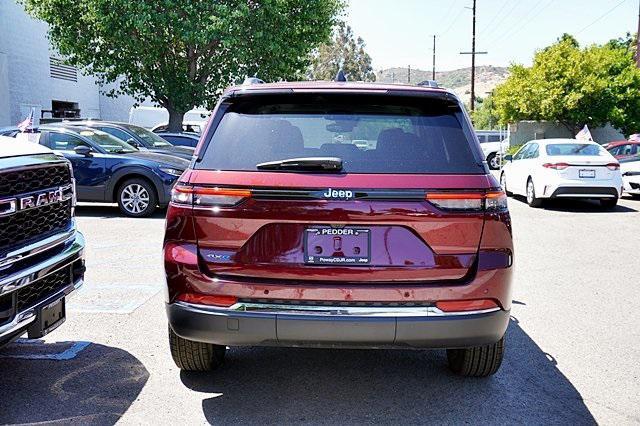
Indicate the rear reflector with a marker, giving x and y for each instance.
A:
(205, 196)
(555, 166)
(469, 201)
(466, 305)
(208, 299)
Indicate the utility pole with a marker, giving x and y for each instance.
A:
(473, 54)
(409, 74)
(638, 40)
(433, 73)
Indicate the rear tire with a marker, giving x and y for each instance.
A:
(195, 356)
(503, 184)
(532, 200)
(609, 203)
(479, 361)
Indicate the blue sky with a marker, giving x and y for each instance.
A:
(399, 32)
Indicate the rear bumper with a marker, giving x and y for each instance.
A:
(419, 327)
(585, 192)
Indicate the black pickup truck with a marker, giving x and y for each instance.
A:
(41, 252)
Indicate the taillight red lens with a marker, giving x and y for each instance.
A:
(556, 166)
(468, 201)
(466, 305)
(206, 196)
(613, 166)
(208, 299)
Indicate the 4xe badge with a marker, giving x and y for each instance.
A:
(338, 194)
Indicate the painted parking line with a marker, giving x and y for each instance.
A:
(112, 298)
(38, 350)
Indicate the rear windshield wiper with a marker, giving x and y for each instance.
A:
(328, 164)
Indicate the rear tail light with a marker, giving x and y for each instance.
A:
(466, 305)
(555, 166)
(208, 299)
(208, 197)
(613, 166)
(469, 201)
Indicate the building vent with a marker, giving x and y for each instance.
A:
(63, 72)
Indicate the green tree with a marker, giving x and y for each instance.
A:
(574, 86)
(346, 52)
(183, 53)
(485, 116)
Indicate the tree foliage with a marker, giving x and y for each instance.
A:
(484, 115)
(183, 53)
(575, 86)
(346, 52)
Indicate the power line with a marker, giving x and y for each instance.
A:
(518, 25)
(504, 16)
(602, 16)
(498, 13)
(445, 17)
(452, 22)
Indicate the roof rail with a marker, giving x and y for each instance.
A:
(252, 80)
(429, 83)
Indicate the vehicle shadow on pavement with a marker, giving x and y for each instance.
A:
(96, 386)
(278, 385)
(576, 206)
(110, 212)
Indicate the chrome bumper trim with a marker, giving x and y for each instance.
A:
(346, 311)
(37, 247)
(24, 277)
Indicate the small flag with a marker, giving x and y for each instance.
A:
(27, 122)
(584, 134)
(635, 137)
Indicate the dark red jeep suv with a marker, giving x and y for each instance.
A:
(339, 215)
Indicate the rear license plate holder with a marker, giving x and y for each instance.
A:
(327, 245)
(48, 318)
(587, 173)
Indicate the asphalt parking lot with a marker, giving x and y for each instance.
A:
(572, 345)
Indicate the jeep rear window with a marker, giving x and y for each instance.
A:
(371, 134)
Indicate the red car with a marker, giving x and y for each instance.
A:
(623, 149)
(339, 215)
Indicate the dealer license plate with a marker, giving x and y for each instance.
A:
(326, 245)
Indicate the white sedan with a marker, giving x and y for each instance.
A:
(562, 168)
(630, 168)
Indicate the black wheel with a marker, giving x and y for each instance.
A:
(492, 160)
(137, 198)
(479, 361)
(609, 203)
(195, 356)
(503, 184)
(532, 200)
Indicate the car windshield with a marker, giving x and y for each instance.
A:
(150, 138)
(574, 149)
(107, 142)
(369, 134)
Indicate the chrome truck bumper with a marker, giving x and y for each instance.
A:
(250, 324)
(67, 251)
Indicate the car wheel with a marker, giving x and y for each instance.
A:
(137, 198)
(532, 200)
(503, 183)
(479, 361)
(609, 203)
(195, 356)
(493, 162)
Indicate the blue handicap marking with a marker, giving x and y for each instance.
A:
(38, 350)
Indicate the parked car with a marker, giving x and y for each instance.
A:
(623, 149)
(562, 168)
(494, 144)
(9, 131)
(109, 170)
(180, 139)
(630, 168)
(196, 127)
(136, 136)
(284, 232)
(150, 117)
(41, 251)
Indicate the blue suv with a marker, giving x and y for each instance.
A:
(107, 169)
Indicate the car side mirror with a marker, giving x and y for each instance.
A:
(83, 150)
(133, 143)
(508, 157)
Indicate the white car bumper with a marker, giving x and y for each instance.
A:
(583, 188)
